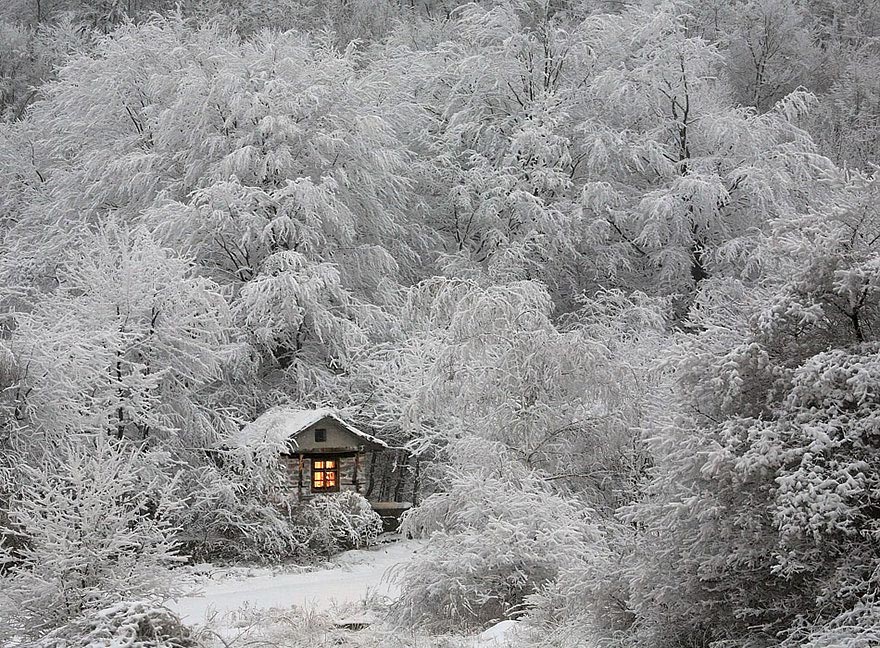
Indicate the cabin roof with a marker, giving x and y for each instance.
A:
(281, 424)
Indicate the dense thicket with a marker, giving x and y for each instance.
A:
(609, 271)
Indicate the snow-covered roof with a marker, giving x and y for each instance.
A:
(280, 424)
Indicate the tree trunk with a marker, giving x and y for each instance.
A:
(416, 482)
(371, 479)
(401, 479)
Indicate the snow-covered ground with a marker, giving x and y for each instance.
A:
(244, 606)
(351, 577)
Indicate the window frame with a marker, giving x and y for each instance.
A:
(318, 465)
(320, 435)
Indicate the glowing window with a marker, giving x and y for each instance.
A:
(325, 475)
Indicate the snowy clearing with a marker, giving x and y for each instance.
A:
(263, 606)
(352, 577)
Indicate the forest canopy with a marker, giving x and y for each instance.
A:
(607, 275)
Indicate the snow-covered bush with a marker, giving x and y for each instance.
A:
(339, 521)
(588, 601)
(855, 628)
(492, 543)
(130, 624)
(231, 512)
(305, 627)
(95, 519)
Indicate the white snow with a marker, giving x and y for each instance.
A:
(495, 635)
(280, 424)
(352, 577)
(343, 589)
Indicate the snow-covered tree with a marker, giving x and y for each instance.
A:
(487, 95)
(98, 14)
(845, 123)
(269, 162)
(680, 178)
(488, 362)
(769, 47)
(589, 150)
(95, 517)
(125, 343)
(236, 507)
(759, 522)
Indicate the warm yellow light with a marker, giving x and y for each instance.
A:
(325, 474)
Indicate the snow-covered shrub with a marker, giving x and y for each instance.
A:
(130, 624)
(306, 627)
(587, 602)
(855, 628)
(338, 521)
(492, 543)
(95, 519)
(231, 512)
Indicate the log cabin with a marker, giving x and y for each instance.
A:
(325, 454)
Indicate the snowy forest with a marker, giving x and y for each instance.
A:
(603, 274)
